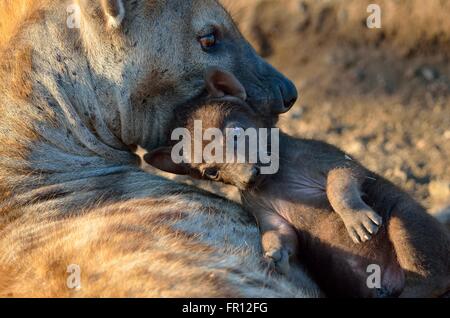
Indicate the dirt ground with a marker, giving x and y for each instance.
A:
(382, 95)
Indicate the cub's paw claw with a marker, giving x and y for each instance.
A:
(363, 225)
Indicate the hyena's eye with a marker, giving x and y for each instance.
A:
(208, 41)
(212, 173)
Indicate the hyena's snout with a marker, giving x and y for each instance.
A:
(268, 90)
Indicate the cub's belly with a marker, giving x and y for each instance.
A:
(303, 191)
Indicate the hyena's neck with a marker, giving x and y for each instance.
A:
(59, 128)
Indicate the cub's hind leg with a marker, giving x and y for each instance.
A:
(422, 246)
(278, 238)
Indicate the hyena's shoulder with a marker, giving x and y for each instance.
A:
(157, 241)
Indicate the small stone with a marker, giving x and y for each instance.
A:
(399, 174)
(447, 134)
(355, 147)
(421, 144)
(428, 73)
(297, 113)
(439, 190)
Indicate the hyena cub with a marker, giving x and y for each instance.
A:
(322, 209)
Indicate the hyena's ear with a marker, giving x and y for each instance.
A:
(114, 11)
(220, 83)
(161, 159)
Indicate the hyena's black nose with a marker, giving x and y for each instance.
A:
(289, 94)
(285, 95)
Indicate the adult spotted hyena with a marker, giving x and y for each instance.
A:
(77, 215)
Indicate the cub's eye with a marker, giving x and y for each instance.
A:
(212, 173)
(208, 41)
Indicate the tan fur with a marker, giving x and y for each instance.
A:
(125, 251)
(73, 104)
(14, 14)
(114, 246)
(18, 70)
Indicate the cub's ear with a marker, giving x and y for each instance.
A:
(114, 11)
(220, 83)
(161, 159)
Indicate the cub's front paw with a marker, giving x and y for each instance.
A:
(279, 259)
(362, 225)
(277, 251)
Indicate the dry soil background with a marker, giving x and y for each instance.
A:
(383, 95)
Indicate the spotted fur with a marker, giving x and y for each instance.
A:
(73, 103)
